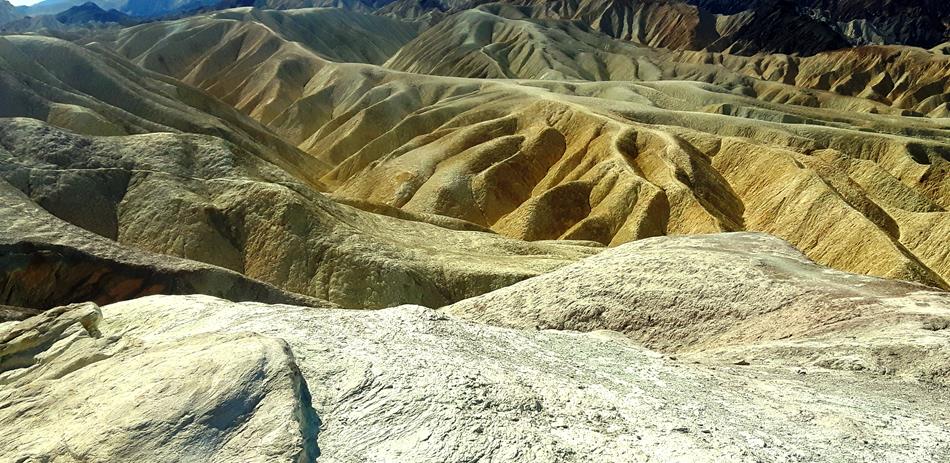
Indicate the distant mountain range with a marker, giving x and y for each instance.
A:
(129, 7)
(924, 23)
(70, 23)
(735, 26)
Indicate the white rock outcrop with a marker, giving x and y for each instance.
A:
(195, 378)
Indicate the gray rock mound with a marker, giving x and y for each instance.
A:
(735, 297)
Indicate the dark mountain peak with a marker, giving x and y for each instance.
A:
(88, 6)
(90, 12)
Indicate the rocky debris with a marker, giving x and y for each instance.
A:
(740, 298)
(409, 384)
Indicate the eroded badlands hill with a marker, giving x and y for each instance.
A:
(46, 262)
(782, 145)
(89, 90)
(216, 187)
(612, 162)
(739, 27)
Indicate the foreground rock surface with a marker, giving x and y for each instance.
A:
(411, 384)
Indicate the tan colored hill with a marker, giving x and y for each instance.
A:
(91, 91)
(616, 161)
(232, 194)
(547, 161)
(536, 167)
(900, 77)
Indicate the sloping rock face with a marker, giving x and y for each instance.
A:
(9, 313)
(97, 93)
(410, 384)
(259, 61)
(221, 195)
(553, 161)
(757, 295)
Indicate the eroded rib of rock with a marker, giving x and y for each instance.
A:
(46, 262)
